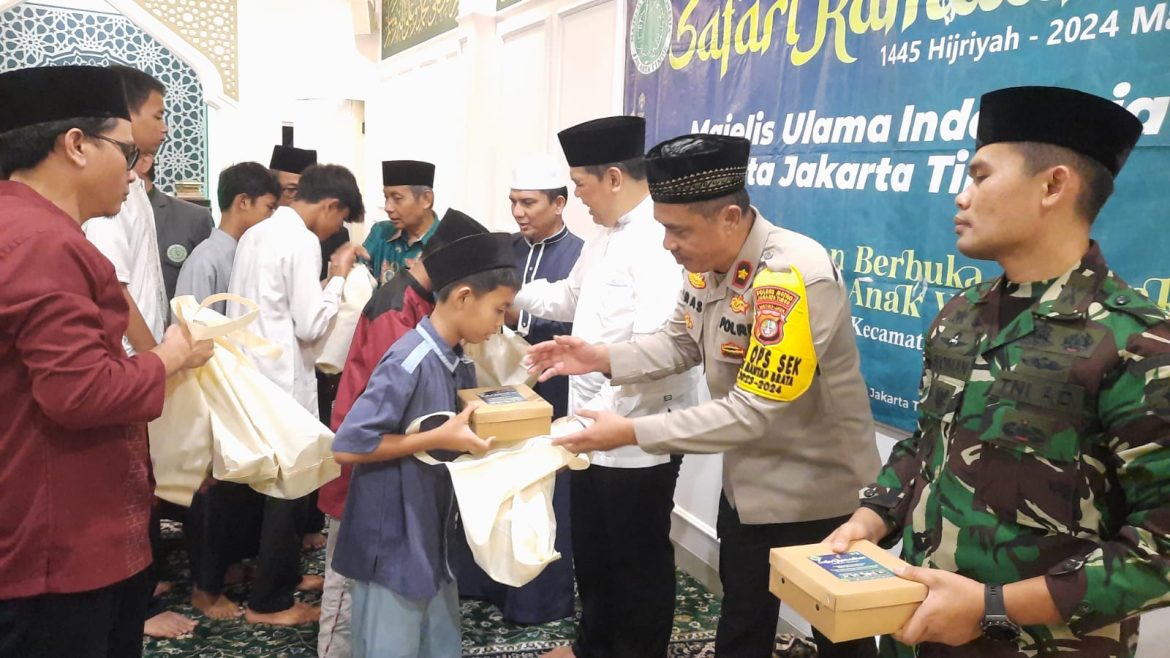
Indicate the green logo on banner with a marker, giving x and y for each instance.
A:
(650, 30)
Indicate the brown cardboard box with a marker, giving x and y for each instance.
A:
(510, 413)
(847, 596)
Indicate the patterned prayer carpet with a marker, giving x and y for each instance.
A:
(485, 633)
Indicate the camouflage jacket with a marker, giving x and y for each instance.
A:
(1041, 450)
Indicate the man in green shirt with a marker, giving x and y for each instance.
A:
(1033, 499)
(410, 204)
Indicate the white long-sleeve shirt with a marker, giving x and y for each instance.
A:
(623, 285)
(130, 241)
(277, 265)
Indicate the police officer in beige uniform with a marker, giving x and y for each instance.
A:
(766, 313)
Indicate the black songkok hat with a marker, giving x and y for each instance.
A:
(604, 141)
(53, 93)
(292, 160)
(697, 168)
(453, 226)
(471, 254)
(1088, 124)
(408, 172)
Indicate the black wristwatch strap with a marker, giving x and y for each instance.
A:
(993, 604)
(995, 623)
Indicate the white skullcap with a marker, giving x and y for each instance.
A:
(538, 172)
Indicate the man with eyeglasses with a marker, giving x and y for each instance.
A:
(74, 480)
(287, 162)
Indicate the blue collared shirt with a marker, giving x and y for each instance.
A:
(399, 514)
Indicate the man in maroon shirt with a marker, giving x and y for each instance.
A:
(74, 479)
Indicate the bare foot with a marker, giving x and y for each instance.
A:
(162, 587)
(299, 613)
(311, 583)
(313, 541)
(169, 624)
(560, 652)
(215, 606)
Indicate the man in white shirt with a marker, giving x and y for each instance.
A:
(278, 265)
(129, 239)
(624, 285)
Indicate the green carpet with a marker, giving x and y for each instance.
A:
(485, 633)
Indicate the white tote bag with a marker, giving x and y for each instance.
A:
(333, 347)
(505, 499)
(181, 438)
(263, 437)
(259, 434)
(500, 360)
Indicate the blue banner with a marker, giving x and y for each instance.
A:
(862, 117)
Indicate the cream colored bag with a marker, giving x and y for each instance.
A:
(499, 360)
(264, 437)
(333, 347)
(259, 434)
(505, 499)
(181, 438)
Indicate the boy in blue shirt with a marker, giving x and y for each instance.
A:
(400, 512)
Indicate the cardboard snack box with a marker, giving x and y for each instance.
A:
(844, 596)
(509, 413)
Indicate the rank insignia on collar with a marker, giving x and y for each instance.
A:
(732, 350)
(697, 280)
(738, 304)
(690, 322)
(743, 274)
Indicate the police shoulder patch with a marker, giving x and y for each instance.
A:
(780, 360)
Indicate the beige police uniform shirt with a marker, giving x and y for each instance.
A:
(800, 460)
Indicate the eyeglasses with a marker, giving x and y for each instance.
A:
(289, 189)
(129, 151)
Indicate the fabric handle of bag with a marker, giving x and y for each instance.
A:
(414, 428)
(212, 331)
(232, 327)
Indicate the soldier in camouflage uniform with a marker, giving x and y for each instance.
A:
(1040, 461)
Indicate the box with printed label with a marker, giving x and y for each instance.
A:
(848, 595)
(509, 413)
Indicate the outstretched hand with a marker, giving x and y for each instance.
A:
(607, 431)
(566, 355)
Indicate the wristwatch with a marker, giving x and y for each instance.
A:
(995, 623)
